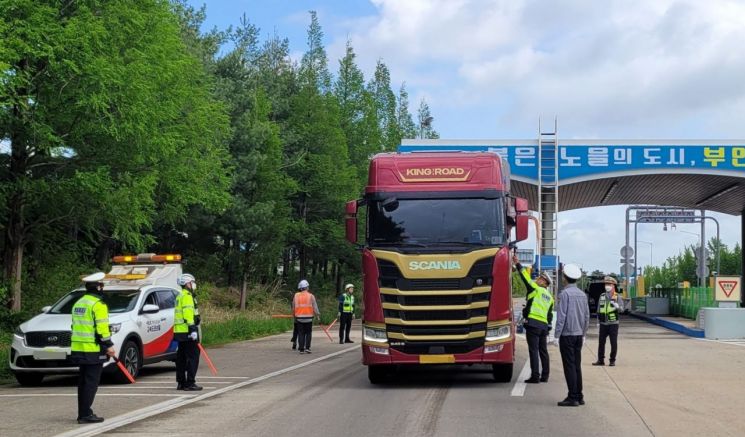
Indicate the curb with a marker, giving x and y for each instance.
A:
(677, 327)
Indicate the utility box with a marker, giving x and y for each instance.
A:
(657, 306)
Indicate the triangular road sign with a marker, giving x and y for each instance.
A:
(727, 287)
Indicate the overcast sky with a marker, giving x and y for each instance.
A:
(630, 69)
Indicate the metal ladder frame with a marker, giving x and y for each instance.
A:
(548, 194)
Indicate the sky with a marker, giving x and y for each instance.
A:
(631, 69)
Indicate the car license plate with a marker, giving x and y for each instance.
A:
(50, 355)
(437, 359)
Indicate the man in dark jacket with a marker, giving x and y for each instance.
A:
(537, 316)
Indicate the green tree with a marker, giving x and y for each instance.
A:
(425, 119)
(385, 106)
(108, 117)
(403, 116)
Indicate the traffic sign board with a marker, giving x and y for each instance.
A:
(626, 260)
(727, 287)
(626, 267)
(705, 272)
(627, 251)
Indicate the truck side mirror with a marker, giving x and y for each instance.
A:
(351, 221)
(521, 230)
(521, 205)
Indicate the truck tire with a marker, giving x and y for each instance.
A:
(377, 374)
(502, 372)
(29, 379)
(131, 357)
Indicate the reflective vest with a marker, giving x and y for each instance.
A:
(90, 324)
(607, 314)
(184, 311)
(542, 300)
(348, 306)
(303, 303)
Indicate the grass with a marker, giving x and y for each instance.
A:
(5, 340)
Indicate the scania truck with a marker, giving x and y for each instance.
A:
(436, 261)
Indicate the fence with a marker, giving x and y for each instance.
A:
(685, 302)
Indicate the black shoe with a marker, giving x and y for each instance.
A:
(294, 346)
(544, 378)
(581, 401)
(568, 403)
(302, 351)
(532, 381)
(612, 363)
(599, 363)
(90, 419)
(341, 342)
(192, 387)
(307, 351)
(349, 341)
(180, 386)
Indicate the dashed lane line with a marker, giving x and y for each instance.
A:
(39, 395)
(152, 410)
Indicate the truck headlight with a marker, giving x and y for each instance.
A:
(115, 327)
(375, 334)
(19, 333)
(497, 332)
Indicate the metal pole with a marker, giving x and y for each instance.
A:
(742, 258)
(702, 256)
(627, 264)
(636, 260)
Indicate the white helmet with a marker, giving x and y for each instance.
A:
(303, 285)
(185, 279)
(546, 277)
(348, 286)
(96, 277)
(572, 271)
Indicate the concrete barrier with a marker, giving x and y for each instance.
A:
(669, 324)
(724, 323)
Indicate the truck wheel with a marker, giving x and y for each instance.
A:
(131, 357)
(377, 374)
(29, 379)
(502, 372)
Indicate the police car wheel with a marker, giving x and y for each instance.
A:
(29, 379)
(131, 358)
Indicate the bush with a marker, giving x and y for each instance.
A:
(242, 328)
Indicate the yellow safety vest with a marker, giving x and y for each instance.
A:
(348, 306)
(184, 312)
(606, 313)
(90, 318)
(542, 300)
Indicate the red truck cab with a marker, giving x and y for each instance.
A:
(436, 261)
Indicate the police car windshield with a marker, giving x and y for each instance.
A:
(118, 301)
(436, 222)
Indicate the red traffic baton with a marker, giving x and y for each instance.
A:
(124, 370)
(326, 330)
(207, 358)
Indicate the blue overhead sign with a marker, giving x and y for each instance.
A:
(587, 159)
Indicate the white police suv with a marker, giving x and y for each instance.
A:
(140, 292)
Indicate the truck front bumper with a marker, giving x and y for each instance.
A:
(381, 354)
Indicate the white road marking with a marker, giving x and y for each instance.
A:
(201, 377)
(39, 395)
(730, 342)
(519, 388)
(172, 404)
(146, 380)
(144, 387)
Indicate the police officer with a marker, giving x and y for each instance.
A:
(572, 320)
(186, 319)
(609, 306)
(91, 344)
(538, 314)
(346, 313)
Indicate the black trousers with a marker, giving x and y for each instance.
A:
(537, 348)
(187, 362)
(605, 332)
(570, 347)
(345, 325)
(294, 331)
(305, 334)
(90, 377)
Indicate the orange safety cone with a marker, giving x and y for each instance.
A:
(124, 370)
(207, 358)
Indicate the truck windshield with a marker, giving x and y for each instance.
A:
(436, 222)
(118, 301)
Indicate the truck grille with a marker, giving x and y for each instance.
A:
(392, 278)
(48, 338)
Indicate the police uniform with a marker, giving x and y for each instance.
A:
(538, 314)
(186, 319)
(90, 341)
(346, 314)
(608, 309)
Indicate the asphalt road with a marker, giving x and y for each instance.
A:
(665, 384)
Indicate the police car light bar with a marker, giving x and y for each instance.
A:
(146, 258)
